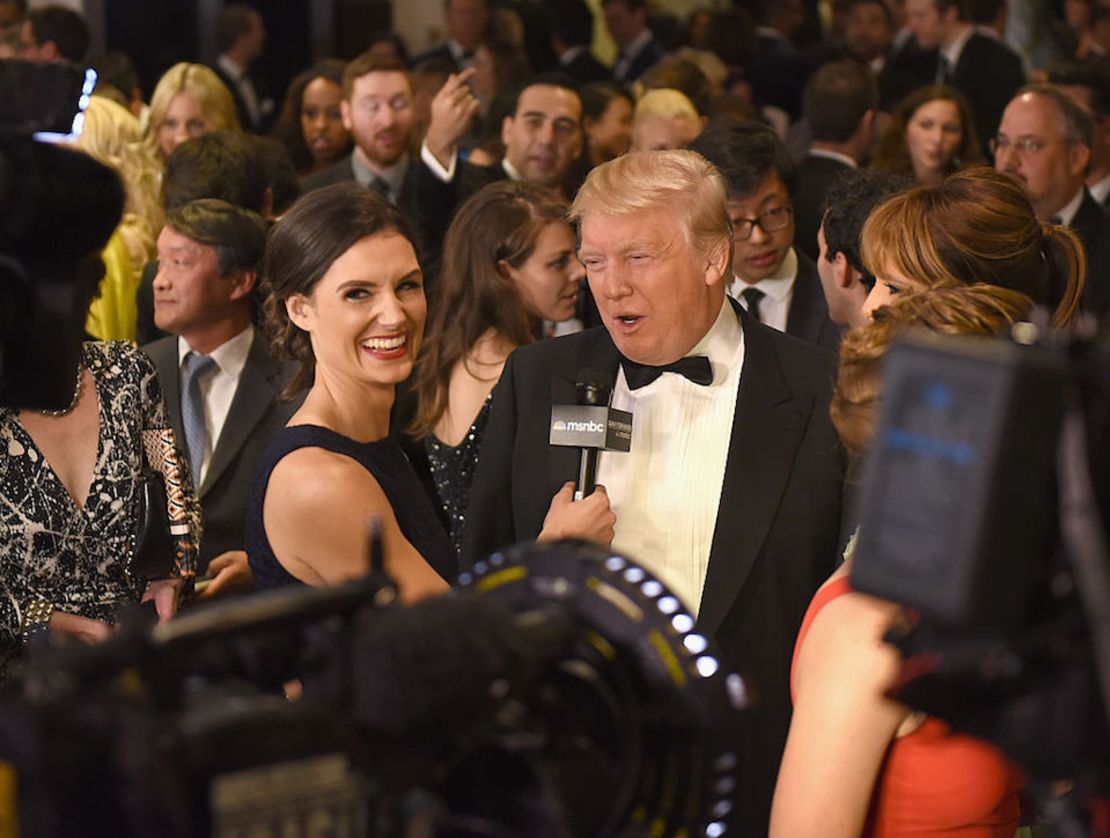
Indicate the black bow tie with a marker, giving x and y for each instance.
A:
(696, 368)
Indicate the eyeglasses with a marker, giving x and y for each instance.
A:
(1022, 145)
(768, 222)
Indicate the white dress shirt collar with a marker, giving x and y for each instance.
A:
(828, 154)
(1067, 212)
(953, 51)
(1100, 189)
(231, 68)
(230, 356)
(778, 288)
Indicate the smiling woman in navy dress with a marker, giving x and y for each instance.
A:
(347, 302)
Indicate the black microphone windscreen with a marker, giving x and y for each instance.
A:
(594, 386)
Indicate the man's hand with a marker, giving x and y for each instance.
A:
(590, 518)
(230, 573)
(82, 628)
(453, 109)
(165, 593)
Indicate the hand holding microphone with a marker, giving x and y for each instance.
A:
(581, 509)
(591, 518)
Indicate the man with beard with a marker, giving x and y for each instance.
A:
(377, 110)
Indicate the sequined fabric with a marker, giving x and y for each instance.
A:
(453, 470)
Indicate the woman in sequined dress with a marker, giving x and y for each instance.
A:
(509, 265)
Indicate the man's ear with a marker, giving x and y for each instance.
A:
(243, 283)
(1079, 158)
(845, 274)
(49, 51)
(717, 263)
(345, 115)
(506, 130)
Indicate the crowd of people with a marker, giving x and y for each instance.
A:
(364, 301)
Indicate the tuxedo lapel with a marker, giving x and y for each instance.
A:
(259, 384)
(767, 428)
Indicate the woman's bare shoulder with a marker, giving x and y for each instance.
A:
(315, 479)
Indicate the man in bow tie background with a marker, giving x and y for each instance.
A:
(731, 490)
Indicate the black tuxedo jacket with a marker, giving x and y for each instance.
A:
(988, 74)
(815, 175)
(1092, 224)
(777, 526)
(252, 420)
(808, 318)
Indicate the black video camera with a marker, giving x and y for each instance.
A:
(984, 509)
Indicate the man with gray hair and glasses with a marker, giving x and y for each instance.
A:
(1044, 142)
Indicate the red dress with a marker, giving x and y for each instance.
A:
(933, 781)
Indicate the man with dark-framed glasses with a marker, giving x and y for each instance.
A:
(775, 282)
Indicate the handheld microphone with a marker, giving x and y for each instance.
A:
(591, 425)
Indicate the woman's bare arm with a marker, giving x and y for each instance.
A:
(316, 513)
(842, 725)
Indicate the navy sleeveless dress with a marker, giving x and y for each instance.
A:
(385, 460)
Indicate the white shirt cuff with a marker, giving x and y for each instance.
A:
(446, 175)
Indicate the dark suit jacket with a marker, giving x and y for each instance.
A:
(779, 74)
(265, 103)
(1092, 224)
(645, 59)
(907, 67)
(343, 172)
(439, 53)
(584, 68)
(815, 175)
(808, 318)
(988, 73)
(777, 524)
(252, 420)
(434, 202)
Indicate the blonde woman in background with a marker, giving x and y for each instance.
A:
(188, 101)
(664, 119)
(111, 135)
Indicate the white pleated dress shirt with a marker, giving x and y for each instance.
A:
(667, 489)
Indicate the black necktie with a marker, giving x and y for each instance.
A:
(380, 186)
(944, 70)
(695, 368)
(752, 296)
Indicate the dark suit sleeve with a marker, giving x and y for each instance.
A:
(489, 517)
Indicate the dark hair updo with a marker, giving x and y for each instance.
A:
(317, 230)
